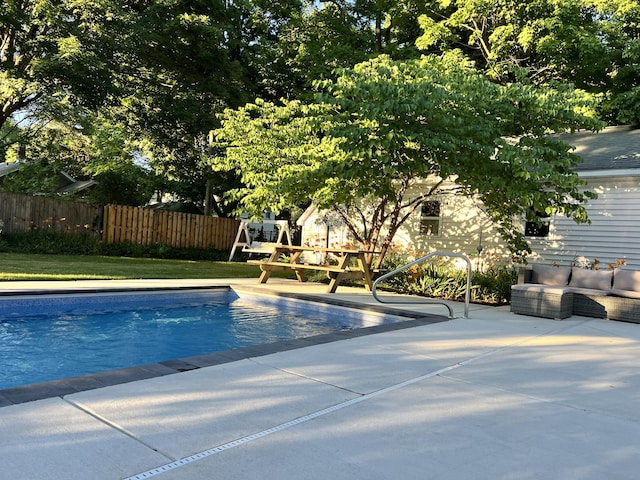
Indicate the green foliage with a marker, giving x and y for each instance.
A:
(440, 278)
(127, 184)
(384, 124)
(591, 44)
(57, 55)
(46, 242)
(156, 70)
(494, 284)
(150, 77)
(440, 283)
(39, 177)
(9, 138)
(312, 45)
(94, 149)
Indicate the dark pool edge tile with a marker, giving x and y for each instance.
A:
(68, 386)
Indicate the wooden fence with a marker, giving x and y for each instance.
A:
(182, 230)
(116, 223)
(23, 213)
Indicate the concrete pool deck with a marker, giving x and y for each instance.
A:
(492, 396)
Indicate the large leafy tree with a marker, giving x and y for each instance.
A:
(55, 56)
(190, 60)
(386, 26)
(178, 74)
(593, 44)
(384, 125)
(310, 47)
(156, 70)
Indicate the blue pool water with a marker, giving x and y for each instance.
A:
(46, 338)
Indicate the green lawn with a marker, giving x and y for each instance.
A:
(65, 267)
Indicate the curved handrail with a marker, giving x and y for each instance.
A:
(467, 296)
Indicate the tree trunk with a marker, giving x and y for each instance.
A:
(378, 47)
(207, 199)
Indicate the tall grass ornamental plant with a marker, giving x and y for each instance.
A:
(441, 278)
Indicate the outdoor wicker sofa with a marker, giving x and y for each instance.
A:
(560, 292)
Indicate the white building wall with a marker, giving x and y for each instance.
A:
(324, 229)
(463, 228)
(614, 232)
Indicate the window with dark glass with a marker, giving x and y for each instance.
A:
(430, 218)
(539, 227)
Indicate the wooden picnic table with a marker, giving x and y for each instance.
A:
(343, 271)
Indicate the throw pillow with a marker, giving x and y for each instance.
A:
(550, 275)
(596, 279)
(626, 280)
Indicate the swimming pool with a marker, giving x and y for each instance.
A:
(53, 337)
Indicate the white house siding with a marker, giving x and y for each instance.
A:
(463, 228)
(322, 229)
(614, 232)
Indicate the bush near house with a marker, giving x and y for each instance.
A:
(441, 278)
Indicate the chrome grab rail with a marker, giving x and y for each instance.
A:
(467, 296)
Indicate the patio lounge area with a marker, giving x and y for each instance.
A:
(492, 396)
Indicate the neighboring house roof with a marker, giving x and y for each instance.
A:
(8, 167)
(614, 148)
(77, 186)
(67, 183)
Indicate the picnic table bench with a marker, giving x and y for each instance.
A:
(343, 271)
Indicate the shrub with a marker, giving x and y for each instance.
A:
(494, 285)
(47, 242)
(441, 279)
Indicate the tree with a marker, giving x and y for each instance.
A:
(95, 149)
(593, 44)
(57, 55)
(384, 124)
(161, 70)
(310, 47)
(9, 135)
(124, 184)
(188, 61)
(39, 177)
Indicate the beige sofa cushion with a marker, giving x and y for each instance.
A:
(593, 279)
(550, 275)
(589, 291)
(626, 280)
(538, 288)
(625, 293)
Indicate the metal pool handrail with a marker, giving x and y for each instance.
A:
(467, 296)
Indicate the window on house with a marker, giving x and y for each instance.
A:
(539, 227)
(430, 218)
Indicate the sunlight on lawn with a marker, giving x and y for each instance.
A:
(48, 276)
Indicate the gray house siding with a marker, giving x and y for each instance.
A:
(614, 232)
(611, 167)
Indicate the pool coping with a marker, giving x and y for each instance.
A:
(67, 386)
